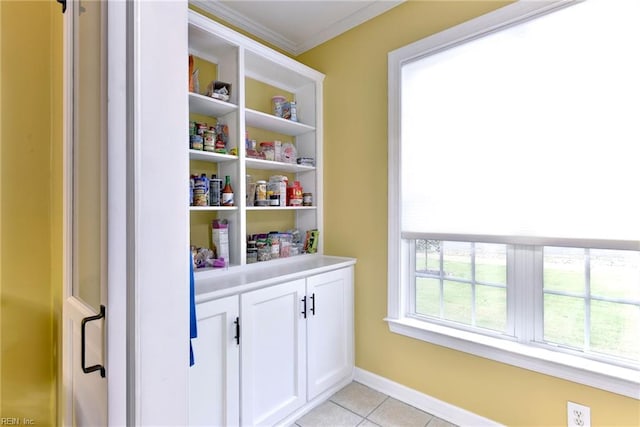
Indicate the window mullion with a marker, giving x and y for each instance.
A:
(536, 291)
(513, 306)
(473, 284)
(442, 280)
(410, 302)
(587, 299)
(526, 282)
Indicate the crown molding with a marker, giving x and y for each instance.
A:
(290, 46)
(234, 18)
(363, 15)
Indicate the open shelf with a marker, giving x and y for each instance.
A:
(276, 124)
(280, 208)
(277, 166)
(208, 106)
(212, 208)
(208, 156)
(256, 73)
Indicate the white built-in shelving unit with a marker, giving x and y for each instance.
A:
(237, 59)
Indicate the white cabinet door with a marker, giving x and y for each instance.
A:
(329, 329)
(214, 379)
(273, 340)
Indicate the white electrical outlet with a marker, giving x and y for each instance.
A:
(578, 415)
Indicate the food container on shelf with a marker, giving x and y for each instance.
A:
(266, 148)
(278, 102)
(261, 193)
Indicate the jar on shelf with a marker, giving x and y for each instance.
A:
(252, 252)
(261, 193)
(252, 255)
(264, 250)
(196, 142)
(209, 140)
(274, 244)
(278, 102)
(294, 194)
(278, 187)
(266, 148)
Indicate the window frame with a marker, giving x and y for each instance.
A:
(509, 331)
(522, 351)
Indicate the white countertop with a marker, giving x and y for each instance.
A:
(220, 283)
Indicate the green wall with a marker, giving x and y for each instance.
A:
(355, 180)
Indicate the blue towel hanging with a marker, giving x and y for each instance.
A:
(192, 309)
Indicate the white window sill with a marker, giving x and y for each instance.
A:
(615, 379)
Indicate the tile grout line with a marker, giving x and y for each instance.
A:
(364, 417)
(379, 405)
(347, 409)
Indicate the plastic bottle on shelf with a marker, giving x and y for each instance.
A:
(227, 192)
(293, 111)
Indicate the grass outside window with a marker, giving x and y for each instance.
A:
(590, 297)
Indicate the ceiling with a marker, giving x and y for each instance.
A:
(296, 26)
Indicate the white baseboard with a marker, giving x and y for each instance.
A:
(440, 409)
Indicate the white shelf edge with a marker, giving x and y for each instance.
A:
(213, 270)
(212, 208)
(276, 124)
(205, 273)
(205, 105)
(280, 166)
(208, 156)
(281, 208)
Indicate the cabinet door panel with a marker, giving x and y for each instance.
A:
(330, 330)
(214, 378)
(273, 353)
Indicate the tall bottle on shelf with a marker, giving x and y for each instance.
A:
(227, 192)
(215, 189)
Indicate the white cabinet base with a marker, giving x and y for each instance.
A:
(296, 345)
(214, 382)
(273, 350)
(329, 329)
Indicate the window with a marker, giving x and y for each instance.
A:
(591, 302)
(461, 282)
(513, 230)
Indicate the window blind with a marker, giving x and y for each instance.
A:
(529, 132)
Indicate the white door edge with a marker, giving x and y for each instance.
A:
(159, 228)
(119, 30)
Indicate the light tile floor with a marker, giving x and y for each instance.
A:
(359, 405)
